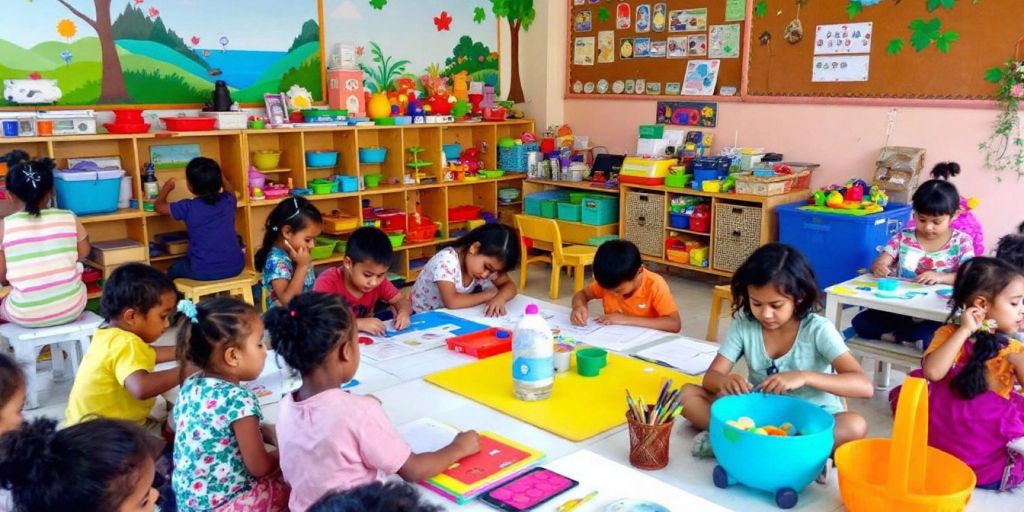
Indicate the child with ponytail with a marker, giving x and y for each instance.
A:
(220, 460)
(976, 412)
(964, 221)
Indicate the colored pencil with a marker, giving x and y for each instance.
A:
(665, 409)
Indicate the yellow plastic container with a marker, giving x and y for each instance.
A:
(903, 474)
(699, 256)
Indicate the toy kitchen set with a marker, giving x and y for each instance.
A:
(46, 123)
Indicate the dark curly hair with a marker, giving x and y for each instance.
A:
(780, 265)
(374, 497)
(204, 176)
(219, 321)
(134, 285)
(11, 379)
(1011, 250)
(29, 180)
(308, 328)
(89, 467)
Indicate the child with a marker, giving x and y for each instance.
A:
(965, 221)
(116, 378)
(220, 461)
(41, 247)
(975, 414)
(100, 465)
(362, 280)
(789, 349)
(213, 249)
(474, 270)
(12, 396)
(374, 497)
(330, 439)
(291, 231)
(631, 294)
(929, 254)
(1011, 250)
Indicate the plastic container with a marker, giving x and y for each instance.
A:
(372, 155)
(491, 173)
(569, 212)
(337, 222)
(600, 210)
(903, 473)
(533, 357)
(532, 202)
(319, 115)
(391, 220)
(452, 151)
(589, 361)
(513, 158)
(347, 183)
(323, 249)
(482, 344)
(321, 158)
(678, 179)
(463, 213)
(780, 465)
(189, 124)
(425, 231)
(266, 159)
(372, 180)
(596, 241)
(700, 221)
(396, 239)
(679, 220)
(88, 192)
(711, 186)
(577, 197)
(125, 196)
(321, 186)
(549, 208)
(836, 245)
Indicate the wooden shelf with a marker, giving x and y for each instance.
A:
(166, 257)
(789, 197)
(688, 232)
(339, 195)
(687, 266)
(121, 214)
(274, 171)
(436, 241)
(578, 185)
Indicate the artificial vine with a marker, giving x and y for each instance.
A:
(1004, 149)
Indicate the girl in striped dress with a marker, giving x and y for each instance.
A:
(39, 249)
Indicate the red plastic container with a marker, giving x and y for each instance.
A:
(128, 115)
(121, 128)
(700, 221)
(391, 220)
(482, 344)
(421, 230)
(463, 213)
(189, 124)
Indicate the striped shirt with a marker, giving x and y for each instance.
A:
(43, 269)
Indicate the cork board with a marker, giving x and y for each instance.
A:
(987, 30)
(661, 70)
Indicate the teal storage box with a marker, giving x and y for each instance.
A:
(569, 212)
(531, 203)
(88, 192)
(596, 241)
(549, 208)
(598, 211)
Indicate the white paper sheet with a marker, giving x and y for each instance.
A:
(692, 357)
(427, 435)
(401, 345)
(841, 68)
(842, 38)
(621, 338)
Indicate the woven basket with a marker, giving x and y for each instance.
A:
(775, 185)
(737, 235)
(644, 222)
(514, 159)
(648, 444)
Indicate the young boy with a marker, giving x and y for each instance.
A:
(1011, 249)
(116, 378)
(632, 295)
(362, 279)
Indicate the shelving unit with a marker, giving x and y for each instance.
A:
(233, 149)
(573, 232)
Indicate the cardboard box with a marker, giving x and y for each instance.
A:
(897, 172)
(117, 252)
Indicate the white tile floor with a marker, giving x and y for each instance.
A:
(692, 292)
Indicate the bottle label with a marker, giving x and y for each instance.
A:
(533, 368)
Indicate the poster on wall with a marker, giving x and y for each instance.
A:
(687, 113)
(701, 77)
(840, 68)
(583, 51)
(724, 41)
(688, 20)
(842, 38)
(606, 46)
(163, 52)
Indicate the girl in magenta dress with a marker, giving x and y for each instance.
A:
(964, 221)
(976, 413)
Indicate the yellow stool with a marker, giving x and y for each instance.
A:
(720, 294)
(238, 286)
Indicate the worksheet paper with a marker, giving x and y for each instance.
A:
(385, 348)
(427, 435)
(689, 356)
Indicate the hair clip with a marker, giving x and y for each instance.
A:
(32, 177)
(291, 313)
(988, 326)
(188, 308)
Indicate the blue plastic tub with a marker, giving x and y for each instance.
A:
(321, 158)
(372, 155)
(782, 466)
(600, 210)
(88, 192)
(532, 202)
(838, 246)
(452, 151)
(347, 183)
(679, 220)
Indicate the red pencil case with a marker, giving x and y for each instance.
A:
(482, 344)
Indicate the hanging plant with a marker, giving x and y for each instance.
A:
(1004, 149)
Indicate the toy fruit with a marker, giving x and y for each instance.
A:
(834, 199)
(379, 106)
(855, 193)
(819, 198)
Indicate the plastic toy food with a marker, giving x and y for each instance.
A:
(834, 199)
(747, 424)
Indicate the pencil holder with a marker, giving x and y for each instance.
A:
(648, 444)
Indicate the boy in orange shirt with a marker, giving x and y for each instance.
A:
(632, 295)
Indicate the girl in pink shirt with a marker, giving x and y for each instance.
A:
(329, 439)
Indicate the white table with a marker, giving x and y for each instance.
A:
(860, 292)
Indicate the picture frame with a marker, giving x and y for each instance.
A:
(277, 108)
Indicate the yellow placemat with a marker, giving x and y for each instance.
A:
(579, 407)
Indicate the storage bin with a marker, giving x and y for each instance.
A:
(315, 159)
(173, 243)
(737, 234)
(347, 183)
(678, 256)
(596, 241)
(513, 158)
(679, 220)
(569, 212)
(838, 245)
(644, 218)
(337, 222)
(600, 210)
(88, 192)
(549, 208)
(116, 252)
(577, 197)
(391, 219)
(780, 184)
(646, 171)
(465, 212)
(531, 203)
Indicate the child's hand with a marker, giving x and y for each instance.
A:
(169, 185)
(781, 383)
(371, 326)
(401, 321)
(579, 315)
(971, 320)
(880, 269)
(495, 307)
(467, 443)
(299, 256)
(735, 385)
(613, 319)
(269, 431)
(930, 277)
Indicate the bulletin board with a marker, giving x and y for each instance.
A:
(960, 40)
(708, 37)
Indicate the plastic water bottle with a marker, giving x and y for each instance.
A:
(533, 357)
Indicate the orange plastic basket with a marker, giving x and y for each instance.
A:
(903, 474)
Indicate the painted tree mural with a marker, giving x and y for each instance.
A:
(519, 14)
(112, 89)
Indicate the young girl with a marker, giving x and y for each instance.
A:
(789, 349)
(965, 220)
(930, 253)
(474, 270)
(330, 439)
(220, 461)
(291, 231)
(100, 465)
(41, 247)
(12, 396)
(213, 249)
(975, 412)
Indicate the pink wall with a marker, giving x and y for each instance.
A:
(845, 140)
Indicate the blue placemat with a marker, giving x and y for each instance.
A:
(431, 319)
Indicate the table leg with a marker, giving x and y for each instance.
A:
(834, 311)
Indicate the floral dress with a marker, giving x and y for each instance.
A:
(912, 260)
(280, 266)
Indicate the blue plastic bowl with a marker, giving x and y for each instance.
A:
(782, 466)
(321, 158)
(452, 151)
(372, 155)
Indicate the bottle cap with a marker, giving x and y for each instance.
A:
(501, 334)
(532, 309)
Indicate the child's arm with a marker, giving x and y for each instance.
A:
(83, 240)
(226, 185)
(452, 299)
(1016, 360)
(937, 363)
(421, 466)
(718, 380)
(164, 354)
(403, 310)
(258, 461)
(882, 265)
(580, 311)
(160, 204)
(506, 291)
(668, 323)
(849, 380)
(144, 385)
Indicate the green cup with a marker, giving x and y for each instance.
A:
(589, 361)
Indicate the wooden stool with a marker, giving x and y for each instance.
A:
(721, 293)
(238, 286)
